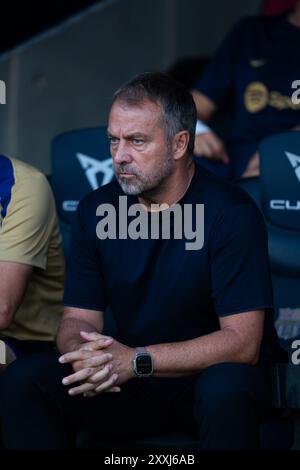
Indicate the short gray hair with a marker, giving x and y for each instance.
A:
(179, 110)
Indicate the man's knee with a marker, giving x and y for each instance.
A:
(27, 371)
(228, 400)
(229, 385)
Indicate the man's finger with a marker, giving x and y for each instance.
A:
(98, 360)
(101, 374)
(208, 145)
(94, 336)
(113, 390)
(100, 343)
(74, 356)
(83, 388)
(207, 149)
(106, 385)
(82, 374)
(214, 143)
(217, 148)
(85, 351)
(224, 157)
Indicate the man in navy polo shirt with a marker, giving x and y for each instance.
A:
(180, 259)
(255, 70)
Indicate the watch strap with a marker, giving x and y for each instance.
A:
(141, 350)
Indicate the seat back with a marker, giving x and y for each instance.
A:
(81, 162)
(280, 180)
(277, 193)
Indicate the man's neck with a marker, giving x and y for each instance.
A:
(172, 190)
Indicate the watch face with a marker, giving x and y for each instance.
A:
(143, 364)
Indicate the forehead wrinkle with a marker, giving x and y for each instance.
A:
(140, 121)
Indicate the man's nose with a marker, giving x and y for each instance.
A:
(122, 153)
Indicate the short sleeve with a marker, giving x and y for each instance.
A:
(26, 229)
(240, 271)
(84, 287)
(217, 81)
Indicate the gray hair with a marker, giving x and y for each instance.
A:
(178, 107)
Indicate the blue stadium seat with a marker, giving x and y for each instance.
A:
(81, 162)
(277, 193)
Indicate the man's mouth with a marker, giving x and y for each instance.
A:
(126, 173)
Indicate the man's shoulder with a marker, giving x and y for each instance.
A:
(20, 167)
(23, 175)
(231, 214)
(219, 194)
(260, 24)
(250, 29)
(22, 183)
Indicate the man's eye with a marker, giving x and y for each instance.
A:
(113, 140)
(137, 141)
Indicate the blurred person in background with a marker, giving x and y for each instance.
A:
(251, 75)
(31, 261)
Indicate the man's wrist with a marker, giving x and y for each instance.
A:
(131, 356)
(142, 363)
(201, 127)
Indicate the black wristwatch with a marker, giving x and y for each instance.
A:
(142, 363)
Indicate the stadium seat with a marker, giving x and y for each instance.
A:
(277, 193)
(81, 162)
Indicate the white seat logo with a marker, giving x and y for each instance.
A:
(295, 162)
(92, 167)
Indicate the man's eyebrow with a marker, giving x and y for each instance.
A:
(135, 134)
(128, 136)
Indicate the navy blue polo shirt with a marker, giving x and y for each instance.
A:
(157, 290)
(253, 70)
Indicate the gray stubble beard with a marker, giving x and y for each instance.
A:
(145, 184)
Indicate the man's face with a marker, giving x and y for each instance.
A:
(142, 159)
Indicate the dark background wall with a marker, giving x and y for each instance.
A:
(20, 20)
(63, 78)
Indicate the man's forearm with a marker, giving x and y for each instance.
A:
(189, 357)
(68, 337)
(204, 105)
(14, 280)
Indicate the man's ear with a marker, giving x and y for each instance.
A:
(180, 144)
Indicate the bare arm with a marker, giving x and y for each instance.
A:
(86, 363)
(73, 321)
(205, 106)
(14, 280)
(208, 144)
(238, 340)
